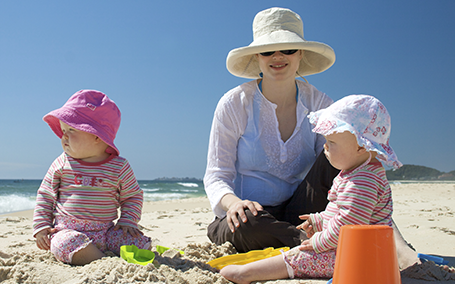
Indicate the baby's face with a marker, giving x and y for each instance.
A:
(76, 143)
(341, 150)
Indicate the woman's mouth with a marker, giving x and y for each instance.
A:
(278, 65)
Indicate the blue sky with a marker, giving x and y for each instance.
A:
(163, 63)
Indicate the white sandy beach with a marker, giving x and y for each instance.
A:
(424, 212)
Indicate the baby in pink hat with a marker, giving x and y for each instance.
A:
(357, 130)
(77, 201)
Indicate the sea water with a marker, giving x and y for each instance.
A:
(18, 195)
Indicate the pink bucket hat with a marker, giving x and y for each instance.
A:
(365, 117)
(89, 111)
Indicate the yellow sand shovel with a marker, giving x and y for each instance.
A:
(244, 258)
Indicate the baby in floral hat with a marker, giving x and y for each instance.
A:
(78, 198)
(363, 116)
(357, 130)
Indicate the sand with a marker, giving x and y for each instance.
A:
(424, 212)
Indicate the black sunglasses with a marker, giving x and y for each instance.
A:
(286, 52)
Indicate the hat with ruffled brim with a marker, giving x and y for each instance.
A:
(279, 29)
(365, 117)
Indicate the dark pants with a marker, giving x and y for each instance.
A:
(275, 225)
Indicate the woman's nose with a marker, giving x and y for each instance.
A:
(277, 54)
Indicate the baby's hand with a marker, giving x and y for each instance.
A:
(306, 245)
(307, 226)
(42, 238)
(127, 229)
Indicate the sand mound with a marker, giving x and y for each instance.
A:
(170, 267)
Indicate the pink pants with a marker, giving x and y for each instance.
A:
(309, 264)
(75, 234)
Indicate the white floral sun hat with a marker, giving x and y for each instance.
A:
(279, 29)
(365, 117)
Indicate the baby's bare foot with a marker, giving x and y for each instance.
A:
(234, 273)
(448, 269)
(406, 257)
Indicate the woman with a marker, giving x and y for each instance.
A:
(261, 145)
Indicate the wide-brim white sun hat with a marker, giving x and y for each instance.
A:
(365, 117)
(279, 29)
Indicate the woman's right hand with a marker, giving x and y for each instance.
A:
(236, 208)
(42, 238)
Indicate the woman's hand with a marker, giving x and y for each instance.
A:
(127, 229)
(307, 226)
(42, 238)
(236, 208)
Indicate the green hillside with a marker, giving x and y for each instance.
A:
(412, 172)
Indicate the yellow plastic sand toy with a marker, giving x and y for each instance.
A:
(138, 256)
(244, 258)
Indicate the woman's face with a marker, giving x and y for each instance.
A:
(279, 66)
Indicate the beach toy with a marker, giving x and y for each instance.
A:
(138, 256)
(161, 249)
(366, 254)
(435, 259)
(244, 258)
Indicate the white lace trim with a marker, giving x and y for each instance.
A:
(280, 163)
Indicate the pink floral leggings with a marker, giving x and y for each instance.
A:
(309, 264)
(75, 234)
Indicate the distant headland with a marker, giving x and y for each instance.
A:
(413, 172)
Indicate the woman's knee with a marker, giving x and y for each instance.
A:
(256, 224)
(219, 232)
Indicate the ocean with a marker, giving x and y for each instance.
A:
(18, 195)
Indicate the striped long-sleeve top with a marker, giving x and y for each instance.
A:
(358, 197)
(90, 191)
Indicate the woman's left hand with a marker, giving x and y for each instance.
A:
(306, 245)
(127, 229)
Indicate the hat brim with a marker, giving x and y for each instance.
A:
(317, 57)
(54, 117)
(325, 123)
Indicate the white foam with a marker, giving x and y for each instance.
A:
(13, 202)
(150, 189)
(163, 196)
(185, 190)
(188, 184)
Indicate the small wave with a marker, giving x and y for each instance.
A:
(13, 202)
(150, 189)
(164, 196)
(185, 190)
(188, 184)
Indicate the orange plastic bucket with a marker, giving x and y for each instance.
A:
(366, 254)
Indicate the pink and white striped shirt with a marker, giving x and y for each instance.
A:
(89, 191)
(358, 197)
